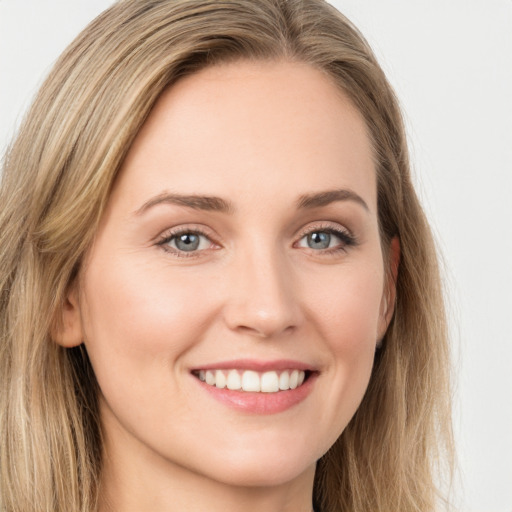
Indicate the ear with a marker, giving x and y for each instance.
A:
(67, 329)
(387, 307)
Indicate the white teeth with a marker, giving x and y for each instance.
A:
(251, 381)
(210, 378)
(284, 381)
(234, 381)
(294, 379)
(269, 382)
(220, 379)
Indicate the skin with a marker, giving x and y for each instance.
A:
(259, 135)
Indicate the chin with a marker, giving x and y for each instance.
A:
(262, 475)
(262, 468)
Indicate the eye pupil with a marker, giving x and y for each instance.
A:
(187, 242)
(319, 240)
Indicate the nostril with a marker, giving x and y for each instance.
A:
(265, 331)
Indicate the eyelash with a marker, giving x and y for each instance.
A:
(347, 240)
(169, 236)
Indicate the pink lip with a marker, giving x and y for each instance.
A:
(257, 366)
(260, 403)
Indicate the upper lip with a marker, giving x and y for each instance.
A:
(256, 365)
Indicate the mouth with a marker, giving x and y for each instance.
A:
(252, 381)
(259, 387)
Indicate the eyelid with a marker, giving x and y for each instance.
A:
(346, 236)
(166, 236)
(328, 226)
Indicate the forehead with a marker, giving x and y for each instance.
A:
(276, 128)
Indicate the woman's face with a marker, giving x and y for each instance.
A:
(240, 248)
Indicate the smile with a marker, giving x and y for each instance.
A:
(252, 381)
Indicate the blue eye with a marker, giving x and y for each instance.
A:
(187, 241)
(319, 240)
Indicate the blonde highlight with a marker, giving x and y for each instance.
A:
(57, 179)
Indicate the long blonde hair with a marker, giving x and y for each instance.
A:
(56, 180)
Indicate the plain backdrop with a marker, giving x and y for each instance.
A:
(450, 62)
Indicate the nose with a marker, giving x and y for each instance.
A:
(262, 299)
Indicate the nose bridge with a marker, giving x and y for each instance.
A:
(262, 300)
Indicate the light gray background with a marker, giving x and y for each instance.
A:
(451, 64)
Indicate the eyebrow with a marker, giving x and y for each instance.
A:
(196, 202)
(327, 197)
(217, 204)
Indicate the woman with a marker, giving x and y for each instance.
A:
(218, 287)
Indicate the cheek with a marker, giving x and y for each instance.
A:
(136, 318)
(348, 308)
(347, 313)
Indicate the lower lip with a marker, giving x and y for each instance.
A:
(261, 403)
